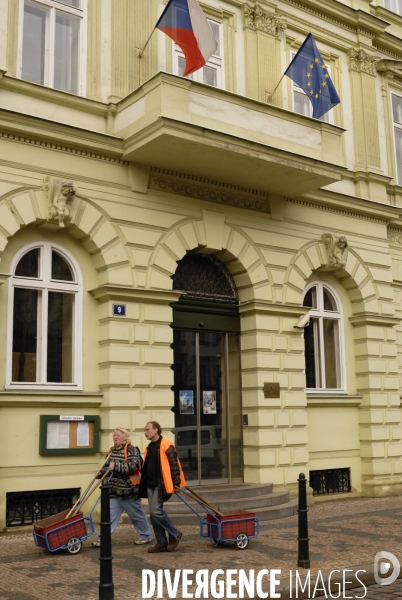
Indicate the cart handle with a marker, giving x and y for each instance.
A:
(77, 506)
(191, 492)
(84, 497)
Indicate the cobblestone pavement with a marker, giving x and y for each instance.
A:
(343, 534)
(379, 592)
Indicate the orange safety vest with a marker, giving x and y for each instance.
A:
(165, 466)
(135, 478)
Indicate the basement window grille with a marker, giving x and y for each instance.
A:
(330, 481)
(25, 508)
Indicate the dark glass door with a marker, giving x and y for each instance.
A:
(207, 405)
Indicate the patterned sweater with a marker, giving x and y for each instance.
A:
(120, 484)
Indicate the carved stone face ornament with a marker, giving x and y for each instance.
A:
(59, 195)
(336, 250)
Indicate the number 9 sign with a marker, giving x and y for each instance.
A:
(119, 310)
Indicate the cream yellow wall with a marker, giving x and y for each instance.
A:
(333, 434)
(133, 219)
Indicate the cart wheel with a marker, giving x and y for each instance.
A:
(218, 542)
(74, 545)
(241, 541)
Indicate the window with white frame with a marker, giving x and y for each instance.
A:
(52, 43)
(397, 121)
(44, 326)
(212, 73)
(301, 103)
(323, 339)
(394, 5)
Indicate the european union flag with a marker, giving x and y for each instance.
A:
(309, 71)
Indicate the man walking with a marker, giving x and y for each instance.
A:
(161, 475)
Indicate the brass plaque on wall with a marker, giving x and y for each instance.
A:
(271, 390)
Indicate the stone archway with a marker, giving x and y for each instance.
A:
(211, 235)
(355, 277)
(89, 224)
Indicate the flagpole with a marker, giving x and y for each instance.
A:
(158, 21)
(270, 96)
(141, 52)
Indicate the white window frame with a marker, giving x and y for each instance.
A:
(44, 282)
(215, 62)
(394, 6)
(397, 147)
(327, 117)
(319, 313)
(54, 5)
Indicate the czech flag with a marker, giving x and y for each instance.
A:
(186, 24)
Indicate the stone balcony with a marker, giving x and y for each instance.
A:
(175, 123)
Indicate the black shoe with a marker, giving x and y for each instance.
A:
(157, 548)
(173, 543)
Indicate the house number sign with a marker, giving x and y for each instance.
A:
(119, 310)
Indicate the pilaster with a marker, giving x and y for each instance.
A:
(135, 358)
(132, 23)
(94, 50)
(263, 35)
(12, 37)
(362, 67)
(275, 439)
(379, 414)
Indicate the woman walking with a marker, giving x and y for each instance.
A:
(125, 463)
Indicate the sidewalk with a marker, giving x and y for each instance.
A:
(343, 535)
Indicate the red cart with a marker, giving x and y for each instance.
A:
(68, 529)
(220, 527)
(61, 532)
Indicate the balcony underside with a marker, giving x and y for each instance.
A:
(195, 150)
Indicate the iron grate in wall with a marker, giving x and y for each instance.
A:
(330, 481)
(25, 508)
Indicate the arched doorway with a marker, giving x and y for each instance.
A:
(207, 386)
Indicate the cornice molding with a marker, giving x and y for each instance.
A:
(362, 319)
(283, 310)
(191, 186)
(51, 95)
(107, 292)
(355, 206)
(386, 15)
(55, 399)
(392, 69)
(36, 141)
(343, 16)
(315, 400)
(60, 137)
(337, 210)
(388, 44)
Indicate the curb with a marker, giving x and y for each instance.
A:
(335, 584)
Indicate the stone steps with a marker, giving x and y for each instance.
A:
(260, 499)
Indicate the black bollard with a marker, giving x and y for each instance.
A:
(304, 557)
(106, 587)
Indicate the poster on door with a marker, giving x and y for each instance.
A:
(186, 402)
(209, 402)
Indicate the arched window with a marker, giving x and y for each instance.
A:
(323, 339)
(44, 329)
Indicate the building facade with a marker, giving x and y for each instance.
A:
(199, 251)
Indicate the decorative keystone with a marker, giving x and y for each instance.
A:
(59, 195)
(336, 250)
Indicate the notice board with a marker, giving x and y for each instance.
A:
(69, 434)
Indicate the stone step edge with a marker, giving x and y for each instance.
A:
(247, 490)
(272, 499)
(263, 514)
(176, 506)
